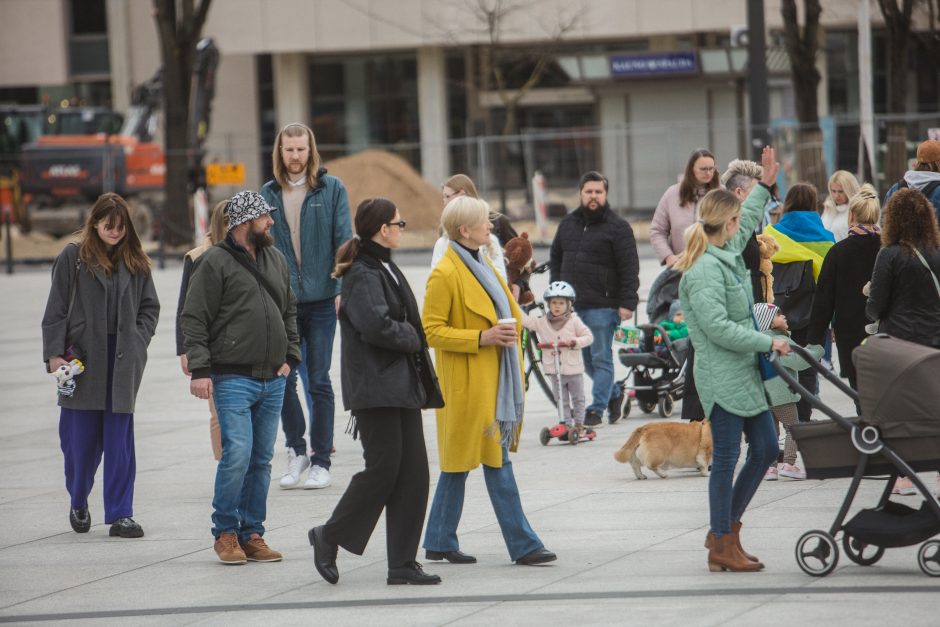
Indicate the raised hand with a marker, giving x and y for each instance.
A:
(768, 160)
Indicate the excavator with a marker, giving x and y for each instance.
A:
(62, 174)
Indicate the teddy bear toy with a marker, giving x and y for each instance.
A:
(65, 376)
(519, 266)
(768, 247)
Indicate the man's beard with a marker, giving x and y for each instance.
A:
(260, 239)
(599, 207)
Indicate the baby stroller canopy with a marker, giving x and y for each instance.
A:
(898, 386)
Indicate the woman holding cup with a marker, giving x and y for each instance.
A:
(473, 323)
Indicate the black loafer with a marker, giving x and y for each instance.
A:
(454, 557)
(126, 528)
(538, 556)
(411, 573)
(324, 555)
(80, 519)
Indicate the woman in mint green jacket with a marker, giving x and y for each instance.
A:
(716, 292)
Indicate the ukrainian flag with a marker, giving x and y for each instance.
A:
(802, 237)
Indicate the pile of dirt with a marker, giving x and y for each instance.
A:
(372, 173)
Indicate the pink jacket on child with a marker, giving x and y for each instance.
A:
(574, 329)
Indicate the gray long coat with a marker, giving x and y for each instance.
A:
(87, 331)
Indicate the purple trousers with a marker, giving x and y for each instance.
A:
(87, 434)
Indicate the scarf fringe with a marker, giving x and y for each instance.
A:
(352, 427)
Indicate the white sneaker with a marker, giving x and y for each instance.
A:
(792, 471)
(319, 477)
(296, 465)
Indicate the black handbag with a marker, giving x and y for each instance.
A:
(428, 378)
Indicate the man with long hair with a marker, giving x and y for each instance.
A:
(311, 223)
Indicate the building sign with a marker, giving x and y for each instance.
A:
(225, 174)
(654, 64)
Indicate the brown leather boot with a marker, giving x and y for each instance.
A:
(735, 531)
(725, 555)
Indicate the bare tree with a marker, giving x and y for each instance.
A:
(179, 32)
(802, 45)
(490, 21)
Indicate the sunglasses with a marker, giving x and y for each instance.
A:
(400, 224)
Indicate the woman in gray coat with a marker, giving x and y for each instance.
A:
(102, 310)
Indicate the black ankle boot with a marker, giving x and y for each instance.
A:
(411, 573)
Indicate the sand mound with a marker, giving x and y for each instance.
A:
(372, 173)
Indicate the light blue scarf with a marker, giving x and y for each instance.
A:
(510, 398)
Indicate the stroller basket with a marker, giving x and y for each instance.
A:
(828, 451)
(895, 525)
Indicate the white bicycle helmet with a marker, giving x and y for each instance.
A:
(559, 289)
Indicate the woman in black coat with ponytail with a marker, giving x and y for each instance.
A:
(387, 379)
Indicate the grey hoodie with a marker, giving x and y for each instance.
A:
(920, 180)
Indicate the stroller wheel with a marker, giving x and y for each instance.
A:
(647, 407)
(545, 435)
(666, 405)
(861, 553)
(817, 553)
(928, 558)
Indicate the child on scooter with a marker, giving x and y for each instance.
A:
(562, 327)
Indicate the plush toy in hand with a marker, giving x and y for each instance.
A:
(519, 266)
(768, 248)
(65, 376)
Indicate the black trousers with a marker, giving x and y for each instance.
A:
(395, 479)
(807, 378)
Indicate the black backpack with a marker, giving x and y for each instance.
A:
(794, 286)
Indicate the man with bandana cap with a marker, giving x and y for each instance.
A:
(240, 337)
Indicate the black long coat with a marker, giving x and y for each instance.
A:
(904, 297)
(838, 298)
(87, 331)
(380, 345)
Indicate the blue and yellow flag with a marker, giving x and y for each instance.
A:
(802, 237)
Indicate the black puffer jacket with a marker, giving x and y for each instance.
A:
(595, 251)
(903, 295)
(381, 346)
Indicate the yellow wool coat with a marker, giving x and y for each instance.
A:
(456, 310)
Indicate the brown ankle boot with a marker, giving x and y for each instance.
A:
(735, 531)
(724, 554)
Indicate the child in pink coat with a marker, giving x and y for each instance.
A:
(561, 325)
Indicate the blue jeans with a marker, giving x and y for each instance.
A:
(726, 502)
(316, 325)
(598, 358)
(441, 532)
(248, 409)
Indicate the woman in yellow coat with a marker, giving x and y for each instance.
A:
(478, 364)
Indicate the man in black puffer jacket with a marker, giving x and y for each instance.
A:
(595, 251)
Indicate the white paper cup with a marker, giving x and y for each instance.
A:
(503, 321)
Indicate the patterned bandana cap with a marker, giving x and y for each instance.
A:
(764, 314)
(246, 206)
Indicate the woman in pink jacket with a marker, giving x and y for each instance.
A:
(678, 207)
(562, 326)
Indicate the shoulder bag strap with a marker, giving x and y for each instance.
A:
(263, 280)
(926, 265)
(73, 286)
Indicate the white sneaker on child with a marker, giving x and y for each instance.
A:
(792, 471)
(771, 474)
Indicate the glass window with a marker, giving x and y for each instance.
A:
(89, 17)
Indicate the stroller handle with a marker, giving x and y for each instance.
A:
(809, 397)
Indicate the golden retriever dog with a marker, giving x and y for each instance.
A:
(662, 445)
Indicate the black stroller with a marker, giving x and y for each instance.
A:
(898, 433)
(658, 371)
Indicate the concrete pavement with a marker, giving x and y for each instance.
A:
(630, 552)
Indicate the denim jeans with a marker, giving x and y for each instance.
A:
(441, 532)
(726, 502)
(316, 325)
(598, 357)
(248, 410)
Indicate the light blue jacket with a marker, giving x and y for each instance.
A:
(325, 225)
(717, 297)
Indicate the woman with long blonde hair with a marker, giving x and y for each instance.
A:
(716, 292)
(102, 310)
(835, 214)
